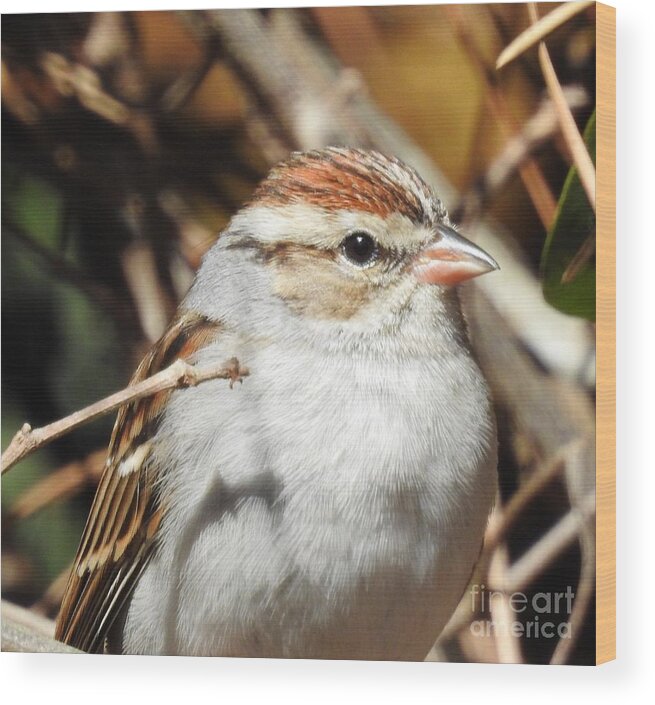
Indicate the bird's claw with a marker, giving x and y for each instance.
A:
(235, 371)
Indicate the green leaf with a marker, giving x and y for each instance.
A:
(33, 204)
(569, 288)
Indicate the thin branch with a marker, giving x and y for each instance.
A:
(580, 258)
(508, 645)
(540, 30)
(148, 294)
(570, 132)
(541, 127)
(56, 486)
(498, 531)
(26, 632)
(530, 171)
(550, 545)
(75, 79)
(182, 89)
(583, 596)
(78, 80)
(179, 374)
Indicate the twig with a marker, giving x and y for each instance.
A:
(508, 646)
(531, 174)
(26, 632)
(540, 30)
(248, 48)
(502, 521)
(193, 236)
(74, 79)
(179, 374)
(181, 90)
(479, 132)
(583, 595)
(497, 531)
(550, 545)
(580, 258)
(55, 486)
(570, 132)
(564, 413)
(265, 135)
(536, 131)
(150, 299)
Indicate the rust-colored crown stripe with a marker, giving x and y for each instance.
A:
(343, 179)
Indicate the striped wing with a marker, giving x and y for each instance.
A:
(126, 512)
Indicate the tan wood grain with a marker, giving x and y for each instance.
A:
(606, 333)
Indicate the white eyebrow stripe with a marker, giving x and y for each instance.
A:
(309, 225)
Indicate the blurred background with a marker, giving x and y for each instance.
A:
(128, 141)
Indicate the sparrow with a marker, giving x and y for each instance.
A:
(334, 504)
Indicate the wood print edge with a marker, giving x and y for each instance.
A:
(606, 334)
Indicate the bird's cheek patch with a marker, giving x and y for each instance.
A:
(310, 284)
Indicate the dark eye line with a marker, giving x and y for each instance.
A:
(390, 258)
(387, 258)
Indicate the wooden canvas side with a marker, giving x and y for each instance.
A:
(606, 333)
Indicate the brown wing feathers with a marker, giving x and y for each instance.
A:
(126, 510)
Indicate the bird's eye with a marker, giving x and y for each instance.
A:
(360, 248)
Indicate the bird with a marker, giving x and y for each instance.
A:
(333, 505)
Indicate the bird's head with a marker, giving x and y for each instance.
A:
(351, 237)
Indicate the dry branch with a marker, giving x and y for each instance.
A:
(56, 486)
(553, 413)
(150, 298)
(540, 30)
(541, 127)
(583, 595)
(23, 631)
(498, 530)
(530, 171)
(508, 645)
(533, 562)
(80, 81)
(179, 374)
(570, 132)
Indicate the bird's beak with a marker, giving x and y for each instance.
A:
(451, 259)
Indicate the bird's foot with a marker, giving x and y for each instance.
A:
(235, 371)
